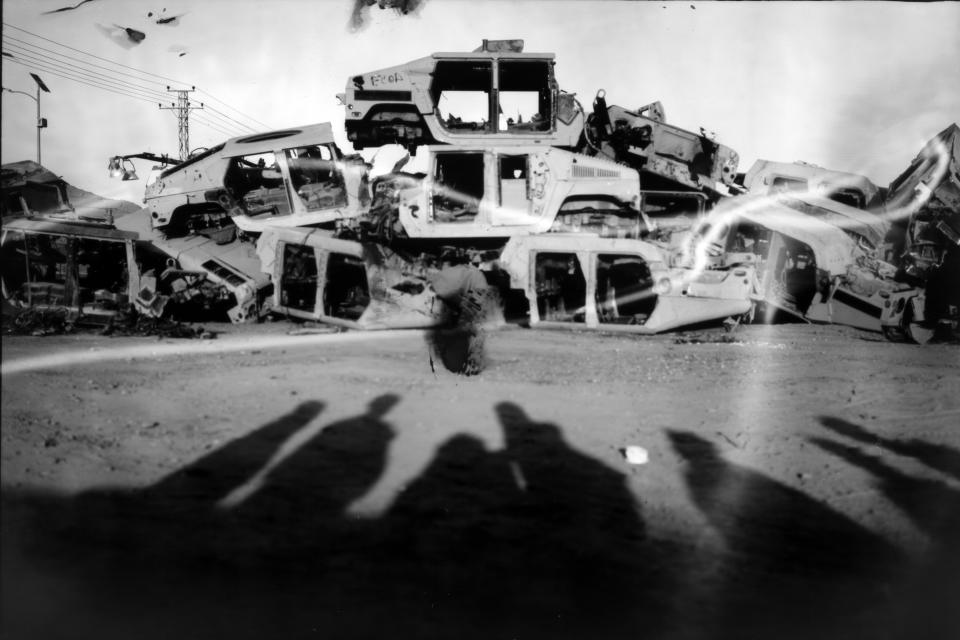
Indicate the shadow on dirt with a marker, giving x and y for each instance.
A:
(794, 567)
(928, 603)
(252, 539)
(535, 540)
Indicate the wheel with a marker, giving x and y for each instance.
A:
(918, 333)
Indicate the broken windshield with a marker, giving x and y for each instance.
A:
(316, 177)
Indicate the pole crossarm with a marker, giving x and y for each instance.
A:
(182, 108)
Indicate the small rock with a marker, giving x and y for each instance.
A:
(636, 455)
(50, 442)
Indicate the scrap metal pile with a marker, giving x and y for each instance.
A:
(613, 219)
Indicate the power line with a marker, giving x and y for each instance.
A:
(67, 76)
(61, 75)
(60, 44)
(155, 75)
(251, 118)
(24, 43)
(213, 113)
(223, 115)
(27, 55)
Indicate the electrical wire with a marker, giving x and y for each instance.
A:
(231, 119)
(210, 111)
(24, 43)
(60, 44)
(96, 85)
(140, 71)
(251, 118)
(26, 55)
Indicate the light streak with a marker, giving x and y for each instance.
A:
(197, 347)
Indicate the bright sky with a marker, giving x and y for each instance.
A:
(850, 86)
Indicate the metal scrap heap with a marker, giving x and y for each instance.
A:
(612, 220)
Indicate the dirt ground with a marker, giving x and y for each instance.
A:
(800, 482)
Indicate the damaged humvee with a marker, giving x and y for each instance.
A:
(346, 283)
(200, 277)
(29, 189)
(769, 177)
(668, 157)
(923, 204)
(98, 270)
(86, 268)
(293, 177)
(815, 257)
(627, 285)
(496, 95)
(480, 195)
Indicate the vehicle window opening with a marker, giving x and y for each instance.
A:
(624, 290)
(796, 273)
(786, 185)
(526, 95)
(658, 205)
(461, 92)
(561, 288)
(458, 186)
(346, 294)
(51, 274)
(513, 179)
(102, 273)
(601, 214)
(14, 266)
(256, 182)
(316, 177)
(298, 281)
(849, 197)
(748, 238)
(208, 219)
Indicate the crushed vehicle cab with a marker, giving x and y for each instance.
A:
(90, 269)
(924, 204)
(668, 157)
(346, 283)
(500, 192)
(196, 277)
(767, 176)
(29, 189)
(815, 258)
(495, 95)
(613, 284)
(292, 177)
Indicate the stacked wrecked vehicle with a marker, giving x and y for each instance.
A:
(614, 220)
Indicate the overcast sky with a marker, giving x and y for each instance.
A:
(850, 86)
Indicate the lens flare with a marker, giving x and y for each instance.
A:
(204, 347)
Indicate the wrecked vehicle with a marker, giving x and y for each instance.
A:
(924, 206)
(98, 270)
(495, 95)
(197, 277)
(815, 258)
(851, 189)
(667, 157)
(293, 177)
(473, 194)
(29, 190)
(627, 285)
(86, 268)
(346, 283)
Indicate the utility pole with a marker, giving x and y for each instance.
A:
(183, 108)
(41, 122)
